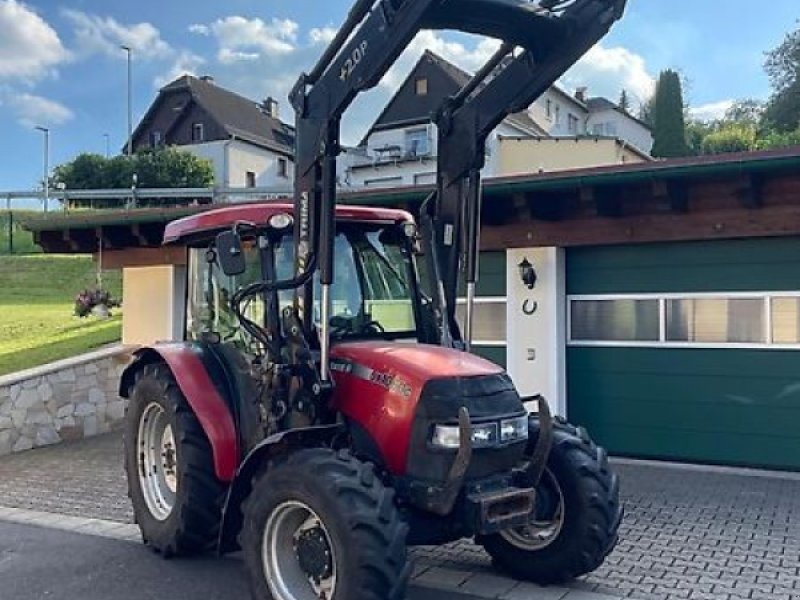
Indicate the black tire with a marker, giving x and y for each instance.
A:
(192, 524)
(361, 523)
(591, 516)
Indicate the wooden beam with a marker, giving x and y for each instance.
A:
(145, 257)
(770, 221)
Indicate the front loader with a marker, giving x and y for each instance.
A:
(323, 410)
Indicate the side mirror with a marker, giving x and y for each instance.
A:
(229, 253)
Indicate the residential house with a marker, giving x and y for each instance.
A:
(246, 141)
(400, 148)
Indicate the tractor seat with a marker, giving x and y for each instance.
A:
(519, 22)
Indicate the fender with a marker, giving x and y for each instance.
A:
(195, 383)
(275, 445)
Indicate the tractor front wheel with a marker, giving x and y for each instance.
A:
(322, 525)
(577, 515)
(176, 497)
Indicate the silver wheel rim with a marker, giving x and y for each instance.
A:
(158, 461)
(280, 553)
(540, 533)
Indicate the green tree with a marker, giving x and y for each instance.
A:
(747, 111)
(783, 67)
(774, 140)
(162, 168)
(668, 117)
(730, 137)
(624, 101)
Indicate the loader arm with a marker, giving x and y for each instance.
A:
(554, 34)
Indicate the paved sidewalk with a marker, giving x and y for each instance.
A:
(687, 534)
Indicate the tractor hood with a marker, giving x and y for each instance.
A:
(385, 388)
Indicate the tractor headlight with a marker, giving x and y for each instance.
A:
(512, 430)
(483, 434)
(449, 436)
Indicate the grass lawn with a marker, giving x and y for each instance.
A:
(37, 325)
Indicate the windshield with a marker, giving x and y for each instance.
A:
(372, 292)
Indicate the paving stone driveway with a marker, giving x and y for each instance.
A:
(686, 534)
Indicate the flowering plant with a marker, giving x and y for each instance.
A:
(89, 299)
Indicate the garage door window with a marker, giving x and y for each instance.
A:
(616, 320)
(489, 320)
(716, 320)
(724, 320)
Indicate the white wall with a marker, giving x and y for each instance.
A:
(232, 159)
(557, 123)
(536, 351)
(623, 127)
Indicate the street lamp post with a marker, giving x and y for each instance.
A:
(46, 171)
(129, 152)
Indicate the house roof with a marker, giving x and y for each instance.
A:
(240, 117)
(599, 104)
(444, 79)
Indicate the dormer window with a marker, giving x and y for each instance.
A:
(421, 86)
(198, 132)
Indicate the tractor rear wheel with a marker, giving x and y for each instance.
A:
(577, 515)
(322, 525)
(176, 497)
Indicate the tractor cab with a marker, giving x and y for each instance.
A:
(375, 295)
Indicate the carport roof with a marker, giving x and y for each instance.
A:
(78, 231)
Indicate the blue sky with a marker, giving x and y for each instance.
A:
(60, 65)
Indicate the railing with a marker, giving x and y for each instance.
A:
(12, 202)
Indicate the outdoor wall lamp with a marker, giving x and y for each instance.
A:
(528, 274)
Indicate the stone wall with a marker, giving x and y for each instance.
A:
(66, 400)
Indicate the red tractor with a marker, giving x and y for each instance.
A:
(322, 424)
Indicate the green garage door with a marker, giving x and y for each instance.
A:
(688, 351)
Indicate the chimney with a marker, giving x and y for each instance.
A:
(270, 107)
(580, 93)
(207, 78)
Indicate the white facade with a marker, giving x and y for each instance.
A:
(559, 114)
(613, 123)
(240, 164)
(406, 156)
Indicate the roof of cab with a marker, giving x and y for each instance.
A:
(261, 213)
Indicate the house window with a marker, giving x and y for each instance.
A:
(558, 114)
(548, 110)
(417, 142)
(250, 179)
(422, 87)
(384, 182)
(155, 139)
(572, 124)
(611, 128)
(598, 129)
(198, 132)
(283, 168)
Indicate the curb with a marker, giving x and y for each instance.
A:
(478, 585)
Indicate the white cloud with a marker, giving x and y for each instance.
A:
(607, 71)
(105, 35)
(199, 29)
(322, 35)
(186, 63)
(30, 48)
(227, 56)
(468, 58)
(711, 111)
(239, 36)
(32, 110)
